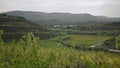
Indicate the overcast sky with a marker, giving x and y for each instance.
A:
(109, 8)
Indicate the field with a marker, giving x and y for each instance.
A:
(30, 52)
(86, 39)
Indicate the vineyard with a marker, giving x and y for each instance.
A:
(31, 52)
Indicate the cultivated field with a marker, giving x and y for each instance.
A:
(86, 39)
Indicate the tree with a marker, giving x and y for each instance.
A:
(117, 42)
(1, 41)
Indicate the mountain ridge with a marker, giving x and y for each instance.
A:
(57, 17)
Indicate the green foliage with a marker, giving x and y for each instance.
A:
(28, 53)
(112, 43)
(117, 42)
(85, 39)
(1, 40)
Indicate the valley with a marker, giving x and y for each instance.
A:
(30, 40)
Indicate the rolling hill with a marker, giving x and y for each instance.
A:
(60, 18)
(14, 27)
(17, 24)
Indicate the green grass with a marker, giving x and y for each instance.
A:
(34, 53)
(86, 39)
(18, 56)
(49, 44)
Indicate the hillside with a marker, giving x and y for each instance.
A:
(60, 18)
(116, 24)
(17, 24)
(14, 27)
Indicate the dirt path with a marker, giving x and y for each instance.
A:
(114, 50)
(98, 44)
(111, 50)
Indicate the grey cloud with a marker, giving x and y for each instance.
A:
(96, 7)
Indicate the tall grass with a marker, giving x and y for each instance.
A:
(27, 53)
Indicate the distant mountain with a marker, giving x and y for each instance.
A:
(109, 19)
(60, 18)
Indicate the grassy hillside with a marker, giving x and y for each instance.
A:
(28, 53)
(14, 27)
(17, 24)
